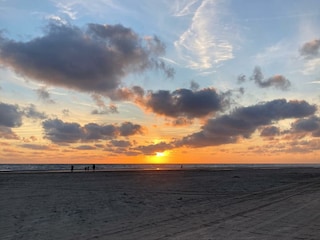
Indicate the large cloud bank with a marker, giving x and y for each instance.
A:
(94, 59)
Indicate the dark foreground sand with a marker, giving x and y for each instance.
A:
(238, 204)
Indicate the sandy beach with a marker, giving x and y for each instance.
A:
(195, 204)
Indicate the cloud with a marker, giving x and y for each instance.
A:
(32, 112)
(243, 122)
(311, 66)
(93, 131)
(184, 102)
(181, 121)
(94, 59)
(241, 78)
(310, 49)
(65, 112)
(98, 100)
(153, 148)
(194, 86)
(10, 115)
(85, 147)
(206, 41)
(74, 9)
(7, 133)
(270, 131)
(277, 81)
(307, 125)
(63, 132)
(183, 8)
(29, 139)
(128, 128)
(120, 143)
(67, 10)
(103, 109)
(36, 146)
(44, 95)
(58, 131)
(106, 110)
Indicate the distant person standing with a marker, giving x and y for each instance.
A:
(71, 168)
(93, 167)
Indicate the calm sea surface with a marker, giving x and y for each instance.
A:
(131, 167)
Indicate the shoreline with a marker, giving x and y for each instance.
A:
(79, 168)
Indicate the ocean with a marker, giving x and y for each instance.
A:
(136, 167)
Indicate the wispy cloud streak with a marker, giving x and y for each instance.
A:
(206, 41)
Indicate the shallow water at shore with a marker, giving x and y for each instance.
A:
(128, 167)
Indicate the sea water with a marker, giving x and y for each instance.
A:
(135, 167)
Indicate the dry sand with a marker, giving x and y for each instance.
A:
(237, 204)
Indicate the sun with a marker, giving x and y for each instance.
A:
(160, 154)
(158, 157)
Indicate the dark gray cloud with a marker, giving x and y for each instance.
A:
(243, 122)
(7, 133)
(99, 145)
(61, 132)
(277, 81)
(32, 112)
(94, 59)
(307, 125)
(58, 131)
(184, 102)
(93, 131)
(181, 121)
(270, 131)
(10, 115)
(138, 91)
(153, 148)
(310, 49)
(44, 95)
(36, 147)
(120, 143)
(194, 86)
(241, 78)
(128, 128)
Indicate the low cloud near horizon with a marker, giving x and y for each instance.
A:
(58, 131)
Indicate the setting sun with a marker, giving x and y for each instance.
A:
(158, 158)
(160, 154)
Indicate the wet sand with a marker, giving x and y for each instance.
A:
(232, 204)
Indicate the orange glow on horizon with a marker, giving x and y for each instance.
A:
(158, 158)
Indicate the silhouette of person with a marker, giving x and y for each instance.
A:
(71, 168)
(94, 167)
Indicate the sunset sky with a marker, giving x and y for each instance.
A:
(150, 81)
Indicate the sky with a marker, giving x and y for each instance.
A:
(171, 81)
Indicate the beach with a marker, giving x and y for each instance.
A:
(243, 203)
